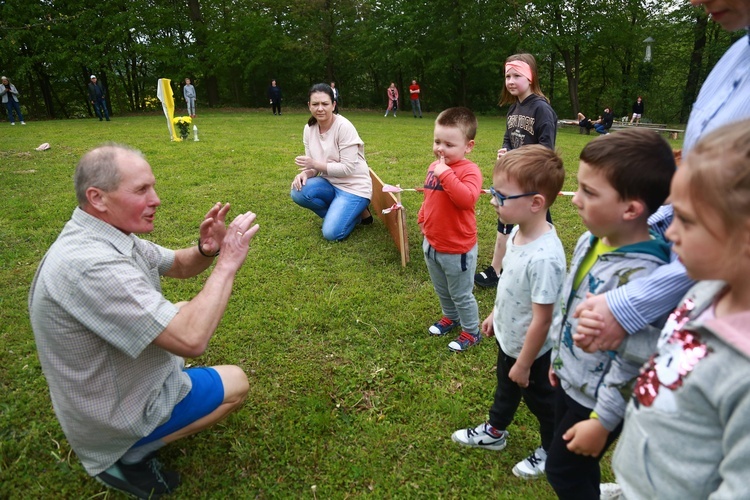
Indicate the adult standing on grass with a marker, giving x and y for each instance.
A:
(188, 92)
(334, 179)
(414, 93)
(10, 99)
(637, 111)
(274, 97)
(111, 344)
(336, 97)
(96, 96)
(392, 93)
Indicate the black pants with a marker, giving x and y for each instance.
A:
(539, 396)
(276, 104)
(573, 476)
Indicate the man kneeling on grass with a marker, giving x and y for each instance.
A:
(110, 344)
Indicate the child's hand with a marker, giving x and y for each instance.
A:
(553, 380)
(501, 152)
(440, 167)
(587, 437)
(488, 325)
(520, 375)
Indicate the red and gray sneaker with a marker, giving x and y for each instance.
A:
(443, 326)
(464, 341)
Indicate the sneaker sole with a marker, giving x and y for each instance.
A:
(460, 349)
(518, 473)
(493, 447)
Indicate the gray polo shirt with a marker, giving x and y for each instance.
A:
(95, 307)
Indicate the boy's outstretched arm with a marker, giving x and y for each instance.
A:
(536, 335)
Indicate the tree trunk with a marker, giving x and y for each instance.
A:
(211, 82)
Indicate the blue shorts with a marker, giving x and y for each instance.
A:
(205, 396)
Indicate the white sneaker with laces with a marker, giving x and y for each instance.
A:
(531, 467)
(610, 491)
(480, 437)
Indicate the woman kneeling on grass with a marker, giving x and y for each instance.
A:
(334, 179)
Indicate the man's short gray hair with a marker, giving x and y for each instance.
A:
(99, 168)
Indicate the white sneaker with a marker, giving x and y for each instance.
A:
(610, 491)
(480, 437)
(23, 123)
(12, 123)
(531, 467)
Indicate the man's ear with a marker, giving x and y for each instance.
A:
(634, 210)
(96, 199)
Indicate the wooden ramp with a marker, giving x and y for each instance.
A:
(395, 220)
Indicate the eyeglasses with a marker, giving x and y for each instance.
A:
(502, 198)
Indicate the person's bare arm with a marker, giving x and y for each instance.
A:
(536, 335)
(191, 329)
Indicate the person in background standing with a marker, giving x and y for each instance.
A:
(274, 96)
(10, 99)
(414, 93)
(637, 111)
(188, 91)
(335, 98)
(392, 93)
(96, 96)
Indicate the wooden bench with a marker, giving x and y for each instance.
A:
(674, 133)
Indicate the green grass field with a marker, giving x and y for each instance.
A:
(349, 395)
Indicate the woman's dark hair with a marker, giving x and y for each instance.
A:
(319, 87)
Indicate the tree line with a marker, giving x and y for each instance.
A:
(590, 53)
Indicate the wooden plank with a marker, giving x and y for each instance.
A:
(395, 220)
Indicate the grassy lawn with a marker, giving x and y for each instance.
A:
(349, 395)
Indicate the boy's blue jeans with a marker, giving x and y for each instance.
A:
(339, 210)
(452, 276)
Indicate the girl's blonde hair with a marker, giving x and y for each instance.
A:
(718, 170)
(508, 98)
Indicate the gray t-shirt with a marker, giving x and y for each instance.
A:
(96, 307)
(533, 273)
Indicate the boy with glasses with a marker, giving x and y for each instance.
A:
(526, 182)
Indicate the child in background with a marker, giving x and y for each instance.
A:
(188, 91)
(449, 225)
(687, 427)
(531, 120)
(622, 179)
(525, 183)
